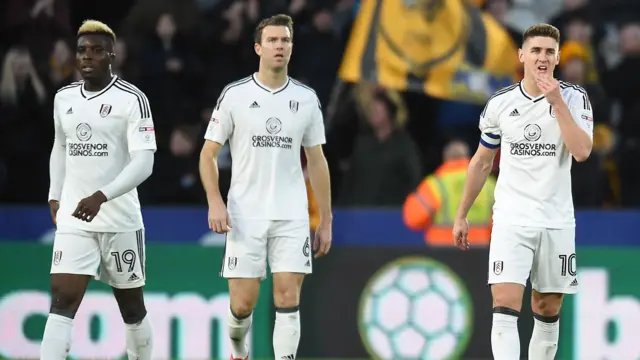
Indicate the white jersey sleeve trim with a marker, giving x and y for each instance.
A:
(580, 107)
(141, 133)
(221, 123)
(489, 120)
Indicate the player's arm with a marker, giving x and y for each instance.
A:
(141, 142)
(575, 119)
(312, 141)
(218, 132)
(209, 174)
(318, 171)
(320, 180)
(482, 161)
(57, 165)
(479, 169)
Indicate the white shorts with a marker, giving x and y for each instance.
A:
(548, 255)
(286, 244)
(114, 258)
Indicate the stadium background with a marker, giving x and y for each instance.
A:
(182, 52)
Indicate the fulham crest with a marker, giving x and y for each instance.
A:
(293, 105)
(105, 110)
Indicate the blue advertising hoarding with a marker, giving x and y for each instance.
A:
(351, 227)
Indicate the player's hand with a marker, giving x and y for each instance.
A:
(219, 220)
(54, 206)
(550, 87)
(89, 207)
(322, 240)
(460, 233)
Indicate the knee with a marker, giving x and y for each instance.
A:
(286, 296)
(507, 300)
(133, 313)
(131, 304)
(241, 309)
(65, 301)
(546, 305)
(243, 294)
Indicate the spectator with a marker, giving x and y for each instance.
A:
(26, 133)
(431, 208)
(385, 165)
(590, 179)
(62, 65)
(175, 177)
(623, 84)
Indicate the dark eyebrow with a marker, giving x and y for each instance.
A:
(540, 48)
(275, 37)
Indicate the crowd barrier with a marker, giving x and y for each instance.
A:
(380, 294)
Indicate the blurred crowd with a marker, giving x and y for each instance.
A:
(181, 53)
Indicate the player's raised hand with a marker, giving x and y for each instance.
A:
(89, 207)
(322, 240)
(460, 234)
(219, 220)
(550, 87)
(54, 206)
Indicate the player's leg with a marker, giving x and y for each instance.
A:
(510, 259)
(289, 250)
(76, 257)
(553, 275)
(244, 265)
(123, 268)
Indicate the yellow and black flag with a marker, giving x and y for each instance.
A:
(447, 49)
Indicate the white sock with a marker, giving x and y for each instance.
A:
(505, 341)
(286, 333)
(139, 340)
(56, 340)
(238, 329)
(544, 340)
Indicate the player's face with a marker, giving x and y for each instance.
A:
(539, 55)
(275, 49)
(93, 56)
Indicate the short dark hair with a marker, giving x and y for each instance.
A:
(276, 20)
(542, 30)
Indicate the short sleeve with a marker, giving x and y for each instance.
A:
(490, 130)
(220, 125)
(141, 134)
(580, 108)
(314, 133)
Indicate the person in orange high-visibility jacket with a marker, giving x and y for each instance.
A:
(432, 207)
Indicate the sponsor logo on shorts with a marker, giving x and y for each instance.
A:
(57, 256)
(232, 262)
(497, 267)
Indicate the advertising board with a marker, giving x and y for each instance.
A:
(186, 300)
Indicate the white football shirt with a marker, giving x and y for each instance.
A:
(266, 129)
(99, 131)
(534, 184)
